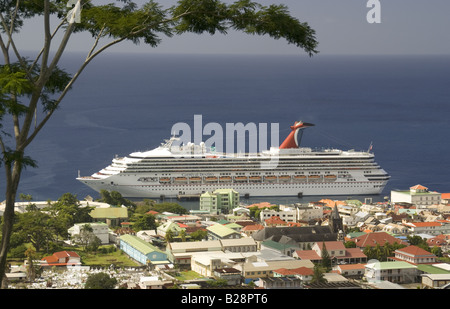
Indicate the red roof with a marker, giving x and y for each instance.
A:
(63, 254)
(275, 220)
(374, 238)
(304, 271)
(423, 224)
(414, 250)
(418, 187)
(445, 196)
(253, 227)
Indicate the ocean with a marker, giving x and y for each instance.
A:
(129, 102)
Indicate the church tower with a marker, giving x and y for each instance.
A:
(336, 221)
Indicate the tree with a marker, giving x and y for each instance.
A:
(87, 238)
(326, 259)
(318, 274)
(100, 281)
(144, 222)
(32, 90)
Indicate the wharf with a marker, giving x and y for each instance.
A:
(188, 197)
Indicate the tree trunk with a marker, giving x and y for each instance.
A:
(12, 184)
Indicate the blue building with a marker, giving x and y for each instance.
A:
(142, 251)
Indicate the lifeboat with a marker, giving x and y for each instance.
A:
(225, 178)
(330, 177)
(211, 178)
(164, 179)
(180, 179)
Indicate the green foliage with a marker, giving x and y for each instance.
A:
(100, 281)
(170, 207)
(144, 222)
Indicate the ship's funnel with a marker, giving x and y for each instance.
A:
(294, 138)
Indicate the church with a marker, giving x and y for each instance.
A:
(304, 237)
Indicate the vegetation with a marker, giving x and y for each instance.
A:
(100, 281)
(32, 90)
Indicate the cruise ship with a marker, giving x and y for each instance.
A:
(171, 171)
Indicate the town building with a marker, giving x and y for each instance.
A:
(61, 259)
(417, 195)
(99, 229)
(219, 231)
(395, 271)
(142, 251)
(436, 281)
(433, 228)
(219, 201)
(414, 255)
(112, 216)
(303, 237)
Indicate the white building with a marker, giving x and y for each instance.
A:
(99, 229)
(417, 195)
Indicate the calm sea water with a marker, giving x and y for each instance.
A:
(124, 103)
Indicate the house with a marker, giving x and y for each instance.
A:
(336, 250)
(62, 258)
(275, 221)
(339, 254)
(286, 215)
(305, 274)
(414, 255)
(249, 230)
(353, 271)
(142, 251)
(279, 283)
(431, 228)
(231, 275)
(99, 229)
(435, 281)
(395, 271)
(253, 270)
(219, 231)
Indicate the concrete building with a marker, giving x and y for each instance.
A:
(218, 231)
(99, 229)
(396, 272)
(141, 251)
(417, 195)
(219, 201)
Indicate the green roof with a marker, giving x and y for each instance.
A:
(276, 245)
(220, 230)
(110, 213)
(430, 269)
(393, 265)
(139, 244)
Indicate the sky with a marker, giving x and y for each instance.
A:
(406, 27)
